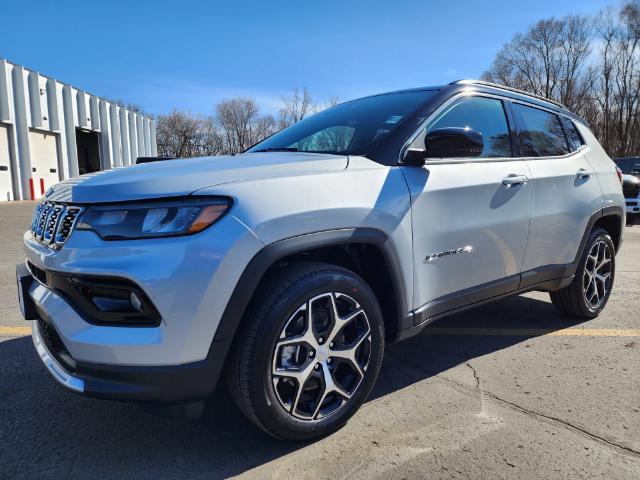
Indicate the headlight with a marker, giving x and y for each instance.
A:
(153, 219)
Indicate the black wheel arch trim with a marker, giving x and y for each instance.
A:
(272, 253)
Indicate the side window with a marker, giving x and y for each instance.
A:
(575, 139)
(484, 115)
(540, 132)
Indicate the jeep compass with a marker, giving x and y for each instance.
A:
(284, 271)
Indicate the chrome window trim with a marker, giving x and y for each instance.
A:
(477, 93)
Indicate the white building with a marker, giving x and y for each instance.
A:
(50, 131)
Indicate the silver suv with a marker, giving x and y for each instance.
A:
(287, 268)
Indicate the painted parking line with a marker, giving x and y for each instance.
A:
(478, 332)
(533, 332)
(14, 331)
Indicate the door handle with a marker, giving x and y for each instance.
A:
(583, 173)
(513, 180)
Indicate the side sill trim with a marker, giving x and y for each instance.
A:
(424, 321)
(466, 297)
(487, 293)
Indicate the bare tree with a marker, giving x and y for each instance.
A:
(296, 106)
(554, 59)
(236, 126)
(333, 100)
(181, 134)
(548, 60)
(236, 119)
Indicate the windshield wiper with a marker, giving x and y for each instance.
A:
(278, 149)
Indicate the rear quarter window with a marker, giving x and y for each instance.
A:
(540, 132)
(573, 135)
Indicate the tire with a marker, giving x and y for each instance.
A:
(587, 294)
(276, 344)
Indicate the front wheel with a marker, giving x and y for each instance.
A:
(309, 352)
(589, 291)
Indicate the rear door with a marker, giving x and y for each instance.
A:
(565, 190)
(470, 221)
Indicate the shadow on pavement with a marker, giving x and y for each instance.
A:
(46, 431)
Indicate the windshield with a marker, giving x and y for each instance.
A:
(351, 128)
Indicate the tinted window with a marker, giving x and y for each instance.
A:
(484, 115)
(351, 128)
(541, 134)
(575, 139)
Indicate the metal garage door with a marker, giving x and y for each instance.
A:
(44, 161)
(6, 188)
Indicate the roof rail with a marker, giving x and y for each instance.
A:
(504, 87)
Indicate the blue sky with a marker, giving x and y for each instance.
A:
(190, 54)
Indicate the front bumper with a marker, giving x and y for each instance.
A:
(189, 280)
(162, 385)
(633, 206)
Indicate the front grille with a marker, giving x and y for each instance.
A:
(53, 223)
(631, 190)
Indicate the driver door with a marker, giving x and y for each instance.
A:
(470, 218)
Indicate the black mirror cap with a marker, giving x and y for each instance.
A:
(414, 157)
(453, 142)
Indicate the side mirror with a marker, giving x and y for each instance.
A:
(453, 142)
(450, 142)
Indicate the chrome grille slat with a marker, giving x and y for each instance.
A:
(66, 224)
(53, 223)
(42, 218)
(36, 216)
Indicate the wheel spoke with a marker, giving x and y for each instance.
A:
(602, 263)
(329, 387)
(595, 294)
(300, 374)
(340, 323)
(349, 354)
(307, 337)
(301, 379)
(590, 280)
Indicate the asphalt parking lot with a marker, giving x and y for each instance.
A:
(510, 390)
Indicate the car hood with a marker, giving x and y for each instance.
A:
(172, 178)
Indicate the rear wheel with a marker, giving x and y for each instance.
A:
(589, 291)
(309, 353)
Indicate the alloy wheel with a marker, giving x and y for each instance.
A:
(597, 274)
(321, 356)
